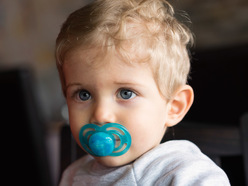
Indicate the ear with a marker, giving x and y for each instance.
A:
(179, 105)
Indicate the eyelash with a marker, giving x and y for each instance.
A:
(75, 95)
(126, 89)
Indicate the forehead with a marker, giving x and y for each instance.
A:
(97, 56)
(90, 64)
(84, 55)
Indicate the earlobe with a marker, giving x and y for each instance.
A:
(179, 105)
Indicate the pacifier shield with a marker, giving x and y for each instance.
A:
(101, 140)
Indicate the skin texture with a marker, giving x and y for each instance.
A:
(108, 90)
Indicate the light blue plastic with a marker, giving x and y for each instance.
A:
(101, 144)
(101, 140)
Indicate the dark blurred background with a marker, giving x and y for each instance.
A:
(28, 30)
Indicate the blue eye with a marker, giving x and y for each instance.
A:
(84, 95)
(126, 94)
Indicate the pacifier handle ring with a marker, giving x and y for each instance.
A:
(121, 137)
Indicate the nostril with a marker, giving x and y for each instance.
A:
(99, 124)
(96, 123)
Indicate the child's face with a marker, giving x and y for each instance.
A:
(115, 92)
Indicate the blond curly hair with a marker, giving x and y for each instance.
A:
(139, 30)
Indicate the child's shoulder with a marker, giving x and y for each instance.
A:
(173, 151)
(179, 162)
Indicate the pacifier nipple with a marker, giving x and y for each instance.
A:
(111, 139)
(101, 144)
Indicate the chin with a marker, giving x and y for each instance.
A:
(112, 161)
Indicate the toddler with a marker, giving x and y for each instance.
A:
(123, 66)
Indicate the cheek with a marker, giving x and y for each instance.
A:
(147, 126)
(147, 117)
(77, 120)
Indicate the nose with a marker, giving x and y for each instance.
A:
(103, 113)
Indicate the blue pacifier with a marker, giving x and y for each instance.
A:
(111, 139)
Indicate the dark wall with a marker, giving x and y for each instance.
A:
(219, 78)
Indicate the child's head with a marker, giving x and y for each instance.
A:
(125, 62)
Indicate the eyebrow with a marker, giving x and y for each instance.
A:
(72, 84)
(115, 82)
(128, 83)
